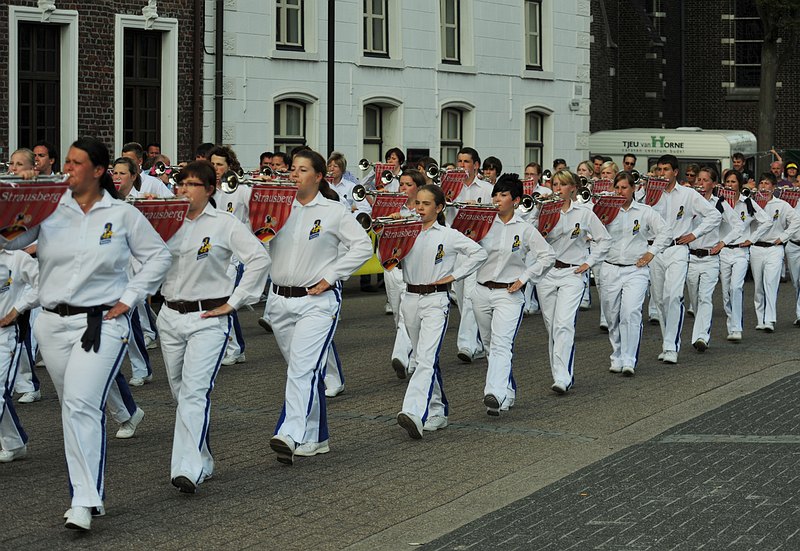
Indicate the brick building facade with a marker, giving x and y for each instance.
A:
(670, 63)
(75, 76)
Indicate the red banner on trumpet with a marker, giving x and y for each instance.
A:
(166, 215)
(654, 189)
(606, 207)
(549, 215)
(474, 221)
(396, 240)
(270, 207)
(451, 184)
(790, 195)
(25, 206)
(730, 195)
(387, 203)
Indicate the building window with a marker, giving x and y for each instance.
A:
(141, 96)
(747, 35)
(290, 125)
(373, 132)
(39, 90)
(451, 30)
(289, 31)
(533, 34)
(452, 135)
(533, 138)
(376, 28)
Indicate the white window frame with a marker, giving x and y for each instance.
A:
(731, 42)
(545, 72)
(300, 8)
(466, 62)
(367, 28)
(444, 26)
(310, 31)
(68, 21)
(391, 122)
(533, 34)
(467, 110)
(312, 116)
(169, 81)
(547, 137)
(394, 59)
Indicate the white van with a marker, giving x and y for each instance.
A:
(688, 144)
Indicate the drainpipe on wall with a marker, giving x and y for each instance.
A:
(331, 61)
(218, 56)
(197, 88)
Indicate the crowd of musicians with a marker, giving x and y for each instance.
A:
(76, 287)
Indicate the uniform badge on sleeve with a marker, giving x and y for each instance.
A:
(105, 237)
(204, 249)
(315, 229)
(439, 254)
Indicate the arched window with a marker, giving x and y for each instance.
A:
(452, 134)
(290, 125)
(373, 132)
(534, 141)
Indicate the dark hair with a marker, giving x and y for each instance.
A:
(769, 176)
(98, 155)
(228, 154)
(416, 175)
(711, 172)
(694, 166)
(738, 156)
(133, 168)
(670, 160)
(319, 166)
(493, 162)
(629, 155)
(401, 157)
(152, 144)
(51, 152)
(438, 198)
(471, 152)
(134, 147)
(202, 170)
(287, 159)
(203, 149)
(738, 175)
(595, 158)
(297, 149)
(509, 182)
(627, 176)
(557, 162)
(266, 155)
(424, 162)
(535, 165)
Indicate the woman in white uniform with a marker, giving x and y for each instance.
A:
(626, 274)
(518, 256)
(195, 321)
(560, 291)
(85, 293)
(320, 244)
(428, 270)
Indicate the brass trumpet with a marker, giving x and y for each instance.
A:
(585, 195)
(13, 179)
(461, 205)
(435, 173)
(230, 181)
(360, 192)
(386, 175)
(160, 168)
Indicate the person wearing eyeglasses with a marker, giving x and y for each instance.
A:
(691, 175)
(629, 162)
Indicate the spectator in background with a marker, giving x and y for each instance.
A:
(691, 174)
(559, 164)
(46, 158)
(153, 150)
(629, 162)
(265, 160)
(201, 153)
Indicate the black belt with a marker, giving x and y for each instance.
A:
(736, 246)
(498, 285)
(700, 253)
(619, 265)
(289, 292)
(671, 243)
(69, 310)
(794, 242)
(560, 264)
(764, 244)
(189, 306)
(428, 289)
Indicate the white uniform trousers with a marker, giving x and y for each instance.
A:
(766, 264)
(12, 435)
(82, 380)
(560, 295)
(120, 402)
(395, 288)
(733, 265)
(599, 273)
(193, 348)
(304, 329)
(622, 297)
(137, 350)
(701, 279)
(334, 375)
(793, 260)
(147, 320)
(426, 321)
(468, 338)
(499, 315)
(26, 380)
(667, 280)
(236, 344)
(531, 299)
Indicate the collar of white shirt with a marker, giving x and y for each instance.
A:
(318, 199)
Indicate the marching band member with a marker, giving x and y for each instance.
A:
(402, 353)
(148, 185)
(766, 254)
(626, 273)
(320, 244)
(704, 263)
(678, 206)
(793, 262)
(428, 270)
(475, 190)
(396, 159)
(195, 320)
(533, 171)
(518, 255)
(83, 331)
(734, 258)
(492, 169)
(19, 282)
(560, 291)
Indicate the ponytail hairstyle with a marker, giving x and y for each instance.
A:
(98, 155)
(320, 167)
(438, 198)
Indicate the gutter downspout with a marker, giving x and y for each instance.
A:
(331, 62)
(218, 58)
(197, 88)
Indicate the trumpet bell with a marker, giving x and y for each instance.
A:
(526, 204)
(584, 195)
(387, 177)
(359, 192)
(364, 219)
(364, 164)
(229, 182)
(547, 175)
(432, 171)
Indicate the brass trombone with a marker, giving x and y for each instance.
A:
(230, 181)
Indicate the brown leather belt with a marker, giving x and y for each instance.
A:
(289, 292)
(736, 246)
(189, 306)
(560, 264)
(428, 289)
(700, 253)
(495, 285)
(69, 310)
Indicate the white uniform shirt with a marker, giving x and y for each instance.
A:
(83, 257)
(154, 186)
(433, 256)
(755, 225)
(345, 191)
(630, 231)
(729, 230)
(517, 251)
(236, 203)
(201, 252)
(307, 248)
(19, 282)
(679, 207)
(784, 223)
(569, 238)
(478, 191)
